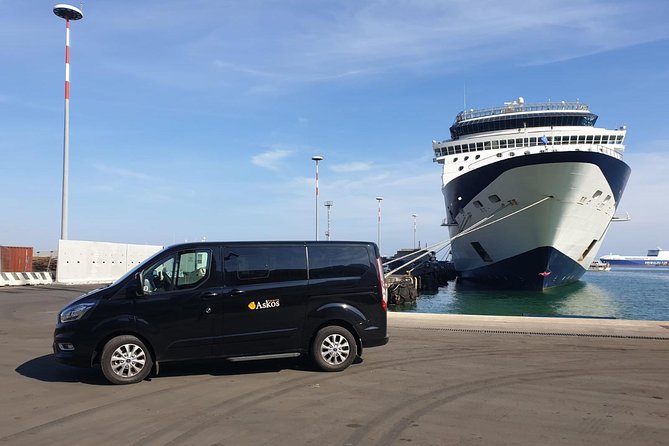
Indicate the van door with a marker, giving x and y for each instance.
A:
(262, 305)
(174, 313)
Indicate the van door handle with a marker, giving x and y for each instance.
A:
(235, 292)
(208, 294)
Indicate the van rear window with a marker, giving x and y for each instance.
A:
(251, 264)
(326, 262)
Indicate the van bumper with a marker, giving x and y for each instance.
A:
(72, 350)
(375, 342)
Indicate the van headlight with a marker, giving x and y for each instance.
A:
(75, 312)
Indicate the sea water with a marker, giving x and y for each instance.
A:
(639, 293)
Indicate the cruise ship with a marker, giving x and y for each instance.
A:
(654, 257)
(530, 191)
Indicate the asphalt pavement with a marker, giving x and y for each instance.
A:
(441, 380)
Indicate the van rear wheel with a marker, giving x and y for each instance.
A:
(334, 349)
(125, 360)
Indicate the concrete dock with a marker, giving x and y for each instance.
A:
(442, 380)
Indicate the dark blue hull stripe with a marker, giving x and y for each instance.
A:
(538, 269)
(467, 186)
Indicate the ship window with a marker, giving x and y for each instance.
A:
(457, 149)
(494, 198)
(479, 146)
(619, 139)
(481, 252)
(495, 145)
(466, 158)
(597, 140)
(605, 139)
(519, 142)
(512, 154)
(597, 194)
(478, 204)
(526, 142)
(533, 141)
(478, 156)
(608, 197)
(589, 139)
(503, 144)
(461, 167)
(581, 139)
(455, 160)
(451, 151)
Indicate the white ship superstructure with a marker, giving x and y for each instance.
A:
(530, 190)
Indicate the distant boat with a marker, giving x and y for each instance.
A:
(655, 257)
(599, 266)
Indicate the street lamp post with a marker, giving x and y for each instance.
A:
(68, 13)
(328, 204)
(414, 230)
(378, 225)
(317, 158)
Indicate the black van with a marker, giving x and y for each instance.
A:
(235, 300)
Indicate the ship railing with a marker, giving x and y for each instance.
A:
(608, 150)
(520, 151)
(516, 107)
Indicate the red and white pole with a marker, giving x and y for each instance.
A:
(68, 13)
(317, 158)
(378, 225)
(66, 136)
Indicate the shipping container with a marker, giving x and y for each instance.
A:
(16, 259)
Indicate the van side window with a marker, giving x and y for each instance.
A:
(327, 262)
(250, 265)
(182, 271)
(158, 277)
(193, 269)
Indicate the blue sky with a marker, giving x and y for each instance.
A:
(199, 119)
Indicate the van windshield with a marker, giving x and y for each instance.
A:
(132, 271)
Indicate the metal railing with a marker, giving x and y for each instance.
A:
(517, 107)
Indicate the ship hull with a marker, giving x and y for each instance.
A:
(533, 221)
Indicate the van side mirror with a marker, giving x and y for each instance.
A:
(136, 285)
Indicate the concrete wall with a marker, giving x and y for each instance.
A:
(98, 262)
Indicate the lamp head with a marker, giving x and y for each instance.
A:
(68, 12)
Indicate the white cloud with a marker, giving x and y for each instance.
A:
(242, 45)
(272, 159)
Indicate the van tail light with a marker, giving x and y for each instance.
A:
(382, 284)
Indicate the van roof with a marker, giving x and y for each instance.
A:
(271, 242)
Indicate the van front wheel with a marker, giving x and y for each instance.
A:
(334, 349)
(125, 360)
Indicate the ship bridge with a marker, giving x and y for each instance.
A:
(518, 115)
